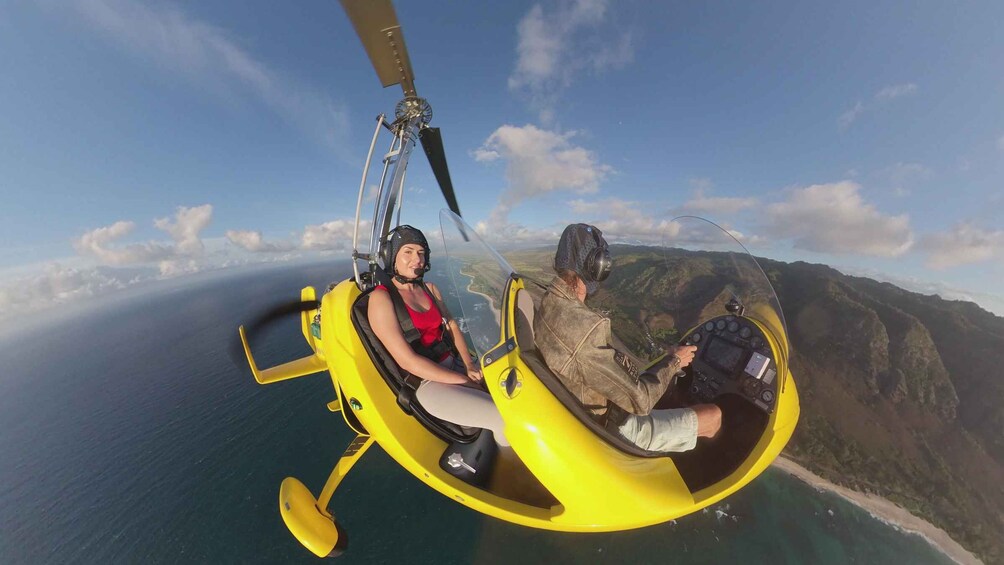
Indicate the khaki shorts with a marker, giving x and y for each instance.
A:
(674, 429)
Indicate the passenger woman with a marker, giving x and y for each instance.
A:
(450, 388)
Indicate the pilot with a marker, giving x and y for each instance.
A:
(425, 340)
(575, 342)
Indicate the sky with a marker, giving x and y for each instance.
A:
(144, 141)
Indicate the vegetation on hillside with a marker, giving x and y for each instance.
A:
(902, 394)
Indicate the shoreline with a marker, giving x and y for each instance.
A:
(879, 508)
(885, 511)
(489, 299)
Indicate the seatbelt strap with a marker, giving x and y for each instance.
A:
(411, 333)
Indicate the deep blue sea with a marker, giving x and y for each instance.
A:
(128, 436)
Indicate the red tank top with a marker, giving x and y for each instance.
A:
(429, 323)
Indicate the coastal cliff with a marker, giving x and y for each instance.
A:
(902, 394)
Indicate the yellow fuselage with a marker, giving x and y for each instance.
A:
(598, 487)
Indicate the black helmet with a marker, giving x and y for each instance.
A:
(398, 238)
(583, 250)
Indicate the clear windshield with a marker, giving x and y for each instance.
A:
(655, 295)
(659, 291)
(479, 275)
(707, 268)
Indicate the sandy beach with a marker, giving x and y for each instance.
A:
(885, 511)
(489, 299)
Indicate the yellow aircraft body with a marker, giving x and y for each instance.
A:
(561, 474)
(597, 487)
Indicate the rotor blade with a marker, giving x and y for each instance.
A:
(432, 142)
(266, 318)
(376, 25)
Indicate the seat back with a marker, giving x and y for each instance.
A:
(524, 321)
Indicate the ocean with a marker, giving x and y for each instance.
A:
(127, 435)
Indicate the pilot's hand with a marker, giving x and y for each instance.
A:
(685, 353)
(474, 374)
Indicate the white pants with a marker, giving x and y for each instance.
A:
(461, 405)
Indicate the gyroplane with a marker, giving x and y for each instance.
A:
(696, 285)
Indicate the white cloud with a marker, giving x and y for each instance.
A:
(30, 288)
(95, 244)
(896, 91)
(554, 47)
(700, 203)
(184, 230)
(963, 244)
(622, 219)
(60, 284)
(833, 218)
(884, 95)
(510, 233)
(847, 118)
(333, 235)
(618, 219)
(206, 53)
(254, 242)
(537, 162)
(178, 266)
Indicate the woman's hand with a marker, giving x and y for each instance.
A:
(474, 374)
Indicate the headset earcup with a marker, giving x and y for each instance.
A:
(385, 250)
(591, 263)
(604, 265)
(598, 264)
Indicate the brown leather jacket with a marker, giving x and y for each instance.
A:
(575, 343)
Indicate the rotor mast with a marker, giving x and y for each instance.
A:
(376, 25)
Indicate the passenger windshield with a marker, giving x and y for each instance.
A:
(479, 275)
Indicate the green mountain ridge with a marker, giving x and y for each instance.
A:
(902, 394)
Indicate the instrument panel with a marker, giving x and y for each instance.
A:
(733, 357)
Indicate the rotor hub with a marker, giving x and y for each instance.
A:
(413, 107)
